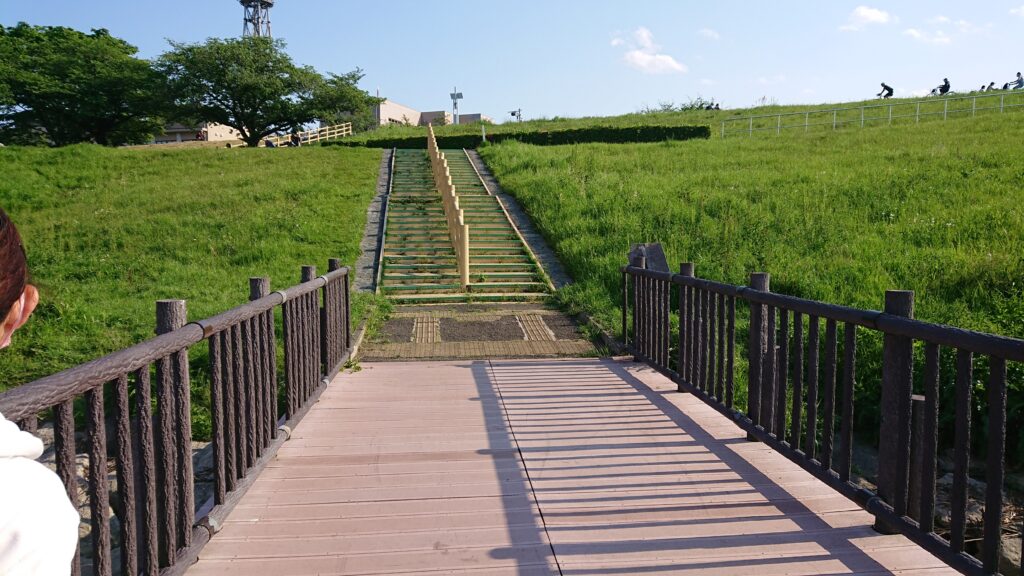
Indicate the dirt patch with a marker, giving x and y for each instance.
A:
(563, 327)
(397, 330)
(503, 329)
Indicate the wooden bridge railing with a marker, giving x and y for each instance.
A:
(320, 134)
(161, 531)
(802, 403)
(457, 227)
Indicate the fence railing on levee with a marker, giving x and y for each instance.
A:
(318, 135)
(458, 230)
(152, 486)
(797, 393)
(883, 114)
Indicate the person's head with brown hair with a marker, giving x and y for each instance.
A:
(18, 298)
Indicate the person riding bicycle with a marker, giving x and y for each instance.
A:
(886, 91)
(942, 89)
(1016, 84)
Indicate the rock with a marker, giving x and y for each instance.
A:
(1009, 554)
(975, 501)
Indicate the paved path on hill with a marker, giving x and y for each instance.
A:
(538, 467)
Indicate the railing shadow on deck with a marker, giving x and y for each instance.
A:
(659, 512)
(529, 548)
(800, 392)
(137, 480)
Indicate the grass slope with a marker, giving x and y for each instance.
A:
(110, 231)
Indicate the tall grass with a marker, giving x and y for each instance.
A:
(110, 231)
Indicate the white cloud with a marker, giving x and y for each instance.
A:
(646, 56)
(969, 27)
(769, 81)
(940, 19)
(938, 37)
(1018, 11)
(708, 33)
(864, 16)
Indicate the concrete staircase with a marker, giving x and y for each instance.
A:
(418, 261)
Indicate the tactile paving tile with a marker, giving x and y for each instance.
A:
(426, 330)
(535, 328)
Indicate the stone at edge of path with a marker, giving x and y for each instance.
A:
(366, 264)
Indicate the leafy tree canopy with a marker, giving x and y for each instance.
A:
(252, 85)
(61, 86)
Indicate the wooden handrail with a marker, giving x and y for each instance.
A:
(458, 230)
(247, 426)
(310, 136)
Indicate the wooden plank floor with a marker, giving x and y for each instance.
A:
(538, 467)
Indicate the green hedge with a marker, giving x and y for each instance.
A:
(606, 134)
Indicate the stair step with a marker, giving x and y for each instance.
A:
(508, 287)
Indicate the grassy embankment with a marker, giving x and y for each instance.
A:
(838, 217)
(932, 109)
(110, 231)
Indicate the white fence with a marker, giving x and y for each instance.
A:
(888, 113)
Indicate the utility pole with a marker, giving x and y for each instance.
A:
(456, 96)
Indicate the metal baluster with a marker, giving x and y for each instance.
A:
(769, 376)
(812, 388)
(961, 443)
(828, 416)
(731, 361)
(798, 372)
(994, 467)
(846, 410)
(782, 369)
(929, 440)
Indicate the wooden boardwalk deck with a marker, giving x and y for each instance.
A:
(538, 467)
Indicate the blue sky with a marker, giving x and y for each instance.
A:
(598, 57)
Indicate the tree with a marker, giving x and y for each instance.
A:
(61, 86)
(252, 85)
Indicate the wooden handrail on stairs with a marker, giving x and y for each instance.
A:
(458, 230)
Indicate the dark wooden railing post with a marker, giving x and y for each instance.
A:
(897, 386)
(174, 421)
(757, 347)
(685, 360)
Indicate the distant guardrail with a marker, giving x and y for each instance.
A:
(318, 135)
(890, 113)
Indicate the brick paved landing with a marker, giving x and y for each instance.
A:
(538, 467)
(462, 331)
